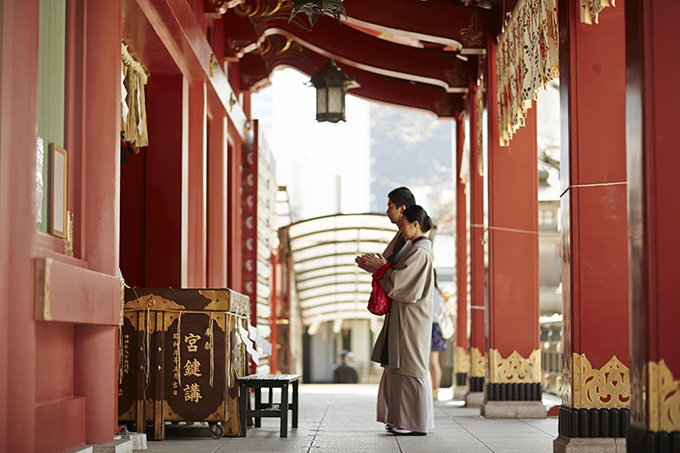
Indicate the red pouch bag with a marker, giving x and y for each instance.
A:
(378, 303)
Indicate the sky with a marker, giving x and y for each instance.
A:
(316, 161)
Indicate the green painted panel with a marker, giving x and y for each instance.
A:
(51, 83)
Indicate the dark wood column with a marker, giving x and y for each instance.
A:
(652, 97)
(596, 391)
(513, 389)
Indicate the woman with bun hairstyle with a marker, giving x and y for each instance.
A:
(403, 346)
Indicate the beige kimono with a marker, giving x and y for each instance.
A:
(403, 346)
(396, 248)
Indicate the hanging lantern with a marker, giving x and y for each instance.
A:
(331, 84)
(316, 8)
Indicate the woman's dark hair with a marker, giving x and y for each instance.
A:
(417, 212)
(402, 196)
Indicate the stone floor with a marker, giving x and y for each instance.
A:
(341, 418)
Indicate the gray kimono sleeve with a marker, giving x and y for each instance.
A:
(405, 283)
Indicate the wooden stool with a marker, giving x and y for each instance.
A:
(260, 381)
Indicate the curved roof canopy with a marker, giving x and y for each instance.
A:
(330, 286)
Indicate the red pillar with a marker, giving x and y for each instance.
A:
(234, 227)
(514, 362)
(461, 355)
(594, 228)
(217, 204)
(477, 268)
(95, 367)
(18, 118)
(652, 98)
(197, 190)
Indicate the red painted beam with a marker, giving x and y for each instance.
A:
(183, 38)
(447, 24)
(350, 47)
(72, 294)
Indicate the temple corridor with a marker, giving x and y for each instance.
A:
(341, 418)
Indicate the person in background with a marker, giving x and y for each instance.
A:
(438, 343)
(346, 373)
(397, 200)
(403, 345)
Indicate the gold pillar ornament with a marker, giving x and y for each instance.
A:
(477, 363)
(461, 360)
(68, 239)
(514, 368)
(663, 402)
(604, 388)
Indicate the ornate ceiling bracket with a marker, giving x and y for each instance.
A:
(260, 11)
(457, 75)
(264, 9)
(218, 7)
(448, 106)
(276, 47)
(273, 51)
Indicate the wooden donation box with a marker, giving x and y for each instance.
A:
(177, 358)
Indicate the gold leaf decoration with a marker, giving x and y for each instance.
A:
(219, 299)
(607, 387)
(263, 9)
(477, 363)
(461, 360)
(152, 302)
(471, 36)
(514, 368)
(664, 398)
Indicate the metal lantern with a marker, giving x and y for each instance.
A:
(331, 84)
(316, 8)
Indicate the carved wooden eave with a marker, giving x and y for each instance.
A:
(449, 24)
(257, 67)
(259, 37)
(350, 47)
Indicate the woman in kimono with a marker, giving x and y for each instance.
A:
(403, 346)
